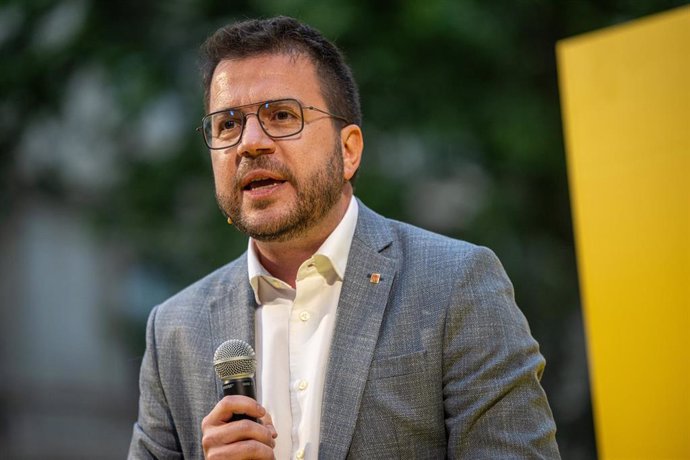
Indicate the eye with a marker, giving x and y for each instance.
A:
(280, 113)
(283, 115)
(228, 124)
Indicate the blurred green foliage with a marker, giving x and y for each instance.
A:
(462, 128)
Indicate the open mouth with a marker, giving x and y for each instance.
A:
(262, 183)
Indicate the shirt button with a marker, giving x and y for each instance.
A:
(300, 454)
(302, 385)
(304, 316)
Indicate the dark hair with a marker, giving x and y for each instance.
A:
(285, 35)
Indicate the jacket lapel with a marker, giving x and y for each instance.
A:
(360, 311)
(231, 314)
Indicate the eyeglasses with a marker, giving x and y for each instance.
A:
(280, 118)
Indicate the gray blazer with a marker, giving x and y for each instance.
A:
(434, 361)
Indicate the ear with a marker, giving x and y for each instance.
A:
(352, 145)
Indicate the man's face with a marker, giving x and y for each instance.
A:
(275, 189)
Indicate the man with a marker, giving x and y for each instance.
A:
(374, 339)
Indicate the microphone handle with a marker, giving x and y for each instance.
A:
(242, 387)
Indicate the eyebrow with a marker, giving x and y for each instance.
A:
(236, 107)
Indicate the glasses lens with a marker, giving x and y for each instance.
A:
(281, 118)
(223, 129)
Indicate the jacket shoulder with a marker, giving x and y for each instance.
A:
(440, 252)
(190, 301)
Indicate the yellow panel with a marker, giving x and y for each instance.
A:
(625, 94)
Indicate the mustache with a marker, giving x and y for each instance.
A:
(265, 162)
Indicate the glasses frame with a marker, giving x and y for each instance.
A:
(256, 113)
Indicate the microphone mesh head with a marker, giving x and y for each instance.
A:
(234, 359)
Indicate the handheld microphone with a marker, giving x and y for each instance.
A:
(235, 365)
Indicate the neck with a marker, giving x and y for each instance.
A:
(283, 259)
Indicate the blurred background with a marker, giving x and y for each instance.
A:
(107, 204)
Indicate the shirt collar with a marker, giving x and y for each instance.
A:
(335, 248)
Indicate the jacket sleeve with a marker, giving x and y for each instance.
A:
(494, 403)
(154, 435)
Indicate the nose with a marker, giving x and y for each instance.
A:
(254, 140)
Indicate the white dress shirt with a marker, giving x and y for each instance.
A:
(294, 329)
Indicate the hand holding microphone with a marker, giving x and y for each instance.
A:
(238, 426)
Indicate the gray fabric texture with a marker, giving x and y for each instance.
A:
(435, 361)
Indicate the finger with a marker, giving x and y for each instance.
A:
(236, 432)
(267, 421)
(241, 450)
(229, 405)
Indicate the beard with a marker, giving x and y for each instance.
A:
(316, 196)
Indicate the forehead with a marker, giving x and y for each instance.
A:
(244, 81)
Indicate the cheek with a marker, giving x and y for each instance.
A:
(223, 171)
